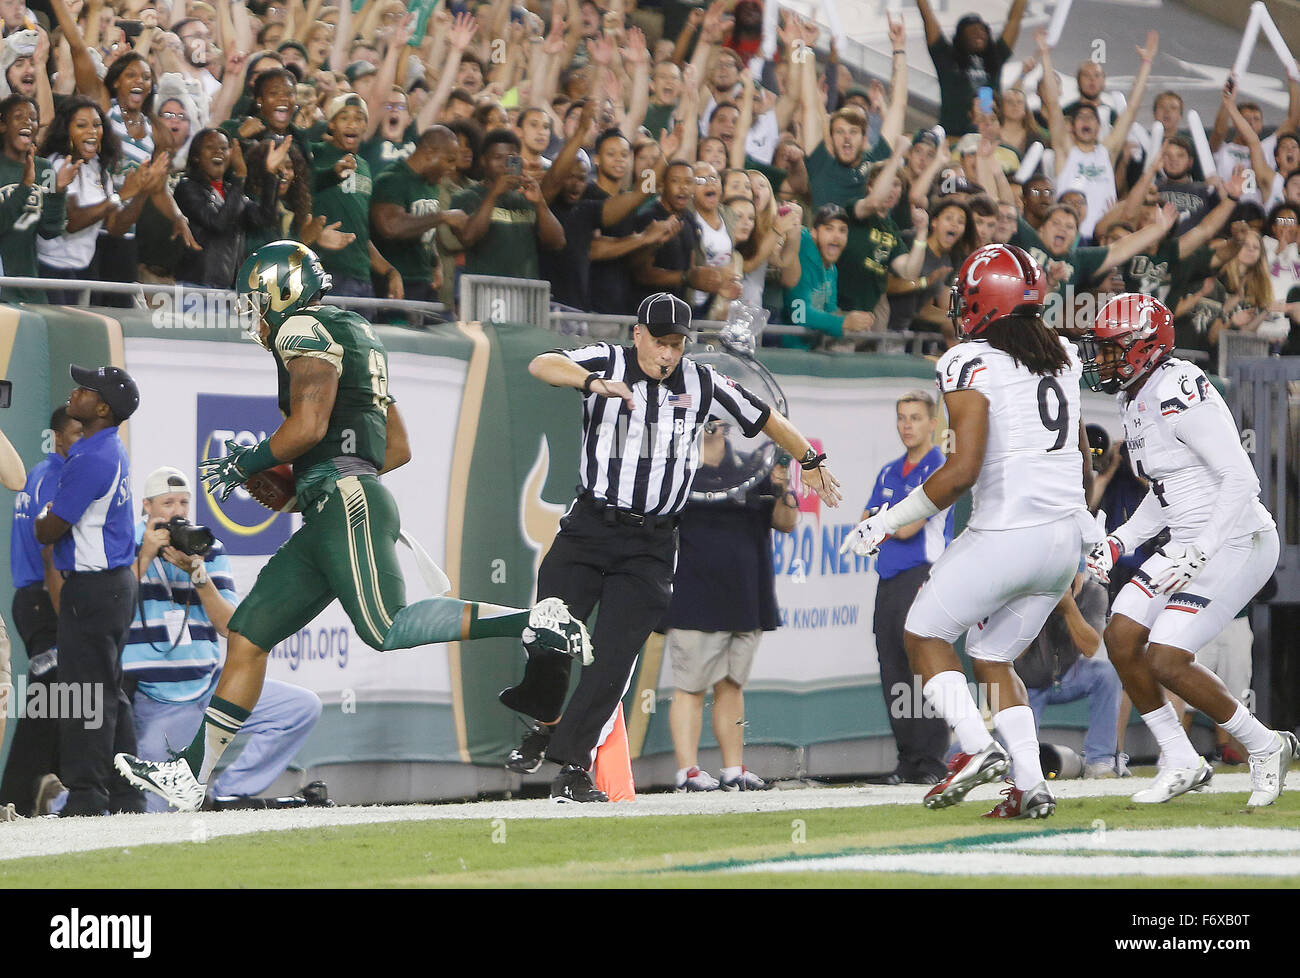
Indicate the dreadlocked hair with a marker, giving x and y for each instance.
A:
(1029, 342)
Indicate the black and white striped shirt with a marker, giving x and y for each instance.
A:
(643, 460)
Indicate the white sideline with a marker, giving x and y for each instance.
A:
(52, 837)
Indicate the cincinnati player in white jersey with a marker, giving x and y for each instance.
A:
(1223, 546)
(1012, 394)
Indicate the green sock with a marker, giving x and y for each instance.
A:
(442, 620)
(222, 720)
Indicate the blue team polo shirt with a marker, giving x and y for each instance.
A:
(94, 495)
(892, 486)
(25, 564)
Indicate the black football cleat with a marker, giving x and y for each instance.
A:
(528, 756)
(540, 694)
(574, 785)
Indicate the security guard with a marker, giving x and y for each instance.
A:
(643, 409)
(91, 525)
(903, 565)
(35, 748)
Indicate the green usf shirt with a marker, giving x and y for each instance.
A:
(658, 118)
(510, 245)
(347, 201)
(413, 257)
(1152, 274)
(834, 183)
(382, 153)
(1026, 237)
(1081, 266)
(864, 264)
(26, 212)
(357, 435)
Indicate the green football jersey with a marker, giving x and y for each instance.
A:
(357, 434)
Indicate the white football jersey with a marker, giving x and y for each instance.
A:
(1033, 469)
(1185, 486)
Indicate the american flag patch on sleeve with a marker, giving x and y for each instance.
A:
(682, 401)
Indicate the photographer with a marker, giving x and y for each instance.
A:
(174, 657)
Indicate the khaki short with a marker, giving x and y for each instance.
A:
(701, 660)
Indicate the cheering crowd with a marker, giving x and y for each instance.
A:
(620, 148)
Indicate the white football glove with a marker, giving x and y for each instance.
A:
(1188, 561)
(1102, 557)
(866, 538)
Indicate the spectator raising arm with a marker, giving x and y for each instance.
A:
(1143, 242)
(1114, 141)
(1011, 31)
(459, 37)
(1056, 127)
(88, 82)
(933, 32)
(383, 86)
(816, 127)
(342, 38)
(1263, 169)
(637, 57)
(891, 126)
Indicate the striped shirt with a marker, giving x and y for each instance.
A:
(182, 674)
(135, 152)
(643, 460)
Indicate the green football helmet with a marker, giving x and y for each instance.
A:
(276, 281)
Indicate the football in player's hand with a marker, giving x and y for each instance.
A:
(274, 488)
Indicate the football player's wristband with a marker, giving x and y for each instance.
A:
(260, 458)
(591, 379)
(917, 506)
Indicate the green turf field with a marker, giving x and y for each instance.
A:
(651, 851)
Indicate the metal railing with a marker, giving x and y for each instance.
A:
(182, 300)
(502, 299)
(1235, 345)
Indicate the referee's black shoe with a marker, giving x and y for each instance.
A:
(574, 784)
(528, 756)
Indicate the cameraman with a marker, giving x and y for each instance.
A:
(174, 656)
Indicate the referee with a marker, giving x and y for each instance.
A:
(643, 407)
(91, 525)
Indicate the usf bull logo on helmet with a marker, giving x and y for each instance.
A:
(276, 281)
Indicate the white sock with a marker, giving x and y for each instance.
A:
(1172, 738)
(1019, 733)
(1254, 736)
(731, 773)
(950, 697)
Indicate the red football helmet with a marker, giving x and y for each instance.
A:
(1141, 326)
(995, 281)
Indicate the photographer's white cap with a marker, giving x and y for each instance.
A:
(165, 480)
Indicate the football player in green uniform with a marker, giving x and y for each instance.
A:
(341, 431)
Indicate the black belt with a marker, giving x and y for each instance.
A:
(111, 570)
(626, 517)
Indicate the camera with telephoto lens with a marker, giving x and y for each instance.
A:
(189, 538)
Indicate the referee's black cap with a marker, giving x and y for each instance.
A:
(113, 385)
(664, 313)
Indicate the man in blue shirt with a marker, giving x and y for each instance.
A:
(903, 565)
(90, 523)
(35, 747)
